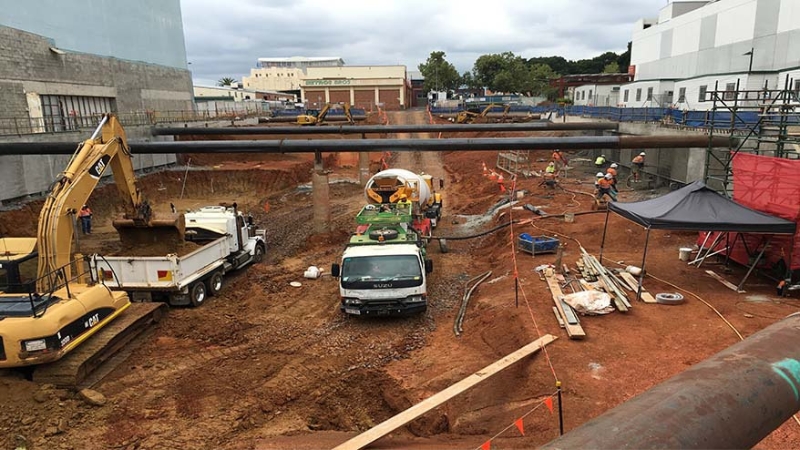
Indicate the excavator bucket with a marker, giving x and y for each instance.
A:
(164, 235)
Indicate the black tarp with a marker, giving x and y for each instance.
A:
(696, 207)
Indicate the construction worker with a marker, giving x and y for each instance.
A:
(637, 165)
(403, 204)
(559, 160)
(612, 170)
(600, 162)
(550, 180)
(85, 216)
(604, 188)
(551, 168)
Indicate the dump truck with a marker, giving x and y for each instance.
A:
(228, 240)
(384, 268)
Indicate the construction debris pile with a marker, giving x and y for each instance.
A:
(619, 286)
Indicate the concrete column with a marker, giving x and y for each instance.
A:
(327, 96)
(377, 96)
(320, 197)
(352, 97)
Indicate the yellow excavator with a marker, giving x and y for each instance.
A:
(312, 117)
(49, 313)
(468, 116)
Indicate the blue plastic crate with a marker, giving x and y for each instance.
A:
(537, 244)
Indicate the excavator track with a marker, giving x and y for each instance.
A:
(71, 370)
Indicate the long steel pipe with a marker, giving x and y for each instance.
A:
(366, 145)
(382, 129)
(733, 399)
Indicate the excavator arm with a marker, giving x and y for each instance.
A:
(323, 112)
(348, 114)
(108, 147)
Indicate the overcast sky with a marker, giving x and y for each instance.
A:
(225, 38)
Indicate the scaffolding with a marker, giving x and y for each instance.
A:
(765, 121)
(515, 162)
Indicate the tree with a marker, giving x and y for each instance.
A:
(487, 67)
(540, 76)
(612, 67)
(439, 74)
(226, 81)
(469, 81)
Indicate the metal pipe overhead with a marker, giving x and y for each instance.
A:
(382, 129)
(733, 399)
(366, 145)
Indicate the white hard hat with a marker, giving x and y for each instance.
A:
(600, 174)
(609, 176)
(614, 165)
(641, 154)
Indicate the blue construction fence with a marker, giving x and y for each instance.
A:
(743, 120)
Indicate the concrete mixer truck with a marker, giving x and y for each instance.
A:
(384, 268)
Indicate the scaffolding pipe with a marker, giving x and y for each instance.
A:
(362, 145)
(733, 399)
(383, 129)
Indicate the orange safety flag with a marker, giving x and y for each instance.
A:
(502, 187)
(549, 403)
(486, 445)
(266, 206)
(518, 423)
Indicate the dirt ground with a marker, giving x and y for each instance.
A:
(268, 366)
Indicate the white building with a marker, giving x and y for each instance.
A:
(695, 45)
(284, 74)
(596, 94)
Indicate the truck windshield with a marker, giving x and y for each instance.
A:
(362, 272)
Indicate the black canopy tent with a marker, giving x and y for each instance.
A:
(696, 207)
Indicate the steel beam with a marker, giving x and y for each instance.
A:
(383, 129)
(733, 399)
(366, 145)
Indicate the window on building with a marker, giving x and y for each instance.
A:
(625, 96)
(583, 95)
(730, 91)
(590, 94)
(682, 95)
(67, 112)
(649, 94)
(639, 94)
(702, 96)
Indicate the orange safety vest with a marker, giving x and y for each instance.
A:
(85, 212)
(602, 183)
(557, 156)
(612, 171)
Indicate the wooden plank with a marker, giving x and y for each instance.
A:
(572, 318)
(574, 331)
(558, 318)
(393, 423)
(630, 279)
(725, 282)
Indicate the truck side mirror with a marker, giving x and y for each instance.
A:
(428, 265)
(335, 270)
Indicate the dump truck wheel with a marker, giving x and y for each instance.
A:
(197, 293)
(214, 284)
(258, 256)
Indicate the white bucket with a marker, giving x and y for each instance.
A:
(633, 270)
(569, 217)
(312, 272)
(684, 253)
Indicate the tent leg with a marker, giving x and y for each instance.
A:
(708, 253)
(603, 241)
(702, 247)
(729, 247)
(753, 266)
(644, 258)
